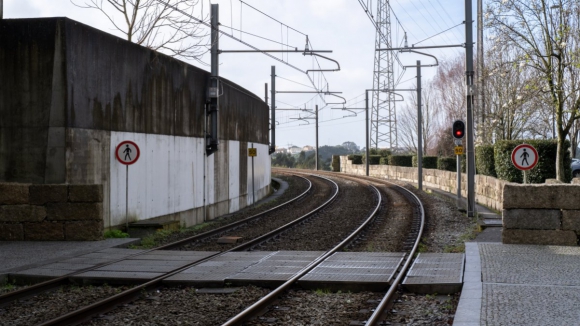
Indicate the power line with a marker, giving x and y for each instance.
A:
(258, 36)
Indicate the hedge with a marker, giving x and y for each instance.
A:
(356, 158)
(447, 164)
(545, 169)
(485, 161)
(335, 163)
(429, 162)
(384, 160)
(401, 160)
(374, 159)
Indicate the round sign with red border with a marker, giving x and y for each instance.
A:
(127, 152)
(524, 157)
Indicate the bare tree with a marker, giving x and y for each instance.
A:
(407, 121)
(546, 33)
(156, 25)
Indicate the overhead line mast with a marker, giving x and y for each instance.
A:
(383, 115)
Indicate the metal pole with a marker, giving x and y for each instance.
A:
(253, 184)
(419, 130)
(480, 62)
(367, 135)
(470, 129)
(1, 9)
(212, 141)
(458, 168)
(127, 198)
(316, 153)
(273, 108)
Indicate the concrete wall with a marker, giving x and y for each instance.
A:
(488, 190)
(71, 93)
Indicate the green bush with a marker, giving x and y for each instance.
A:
(447, 164)
(356, 158)
(115, 234)
(335, 163)
(384, 160)
(545, 169)
(485, 161)
(374, 159)
(401, 160)
(429, 162)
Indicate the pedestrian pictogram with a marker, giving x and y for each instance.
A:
(127, 152)
(524, 157)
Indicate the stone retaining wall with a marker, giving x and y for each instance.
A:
(542, 214)
(51, 212)
(488, 190)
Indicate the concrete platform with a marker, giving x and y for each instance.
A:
(354, 271)
(440, 273)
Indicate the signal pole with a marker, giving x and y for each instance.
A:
(470, 92)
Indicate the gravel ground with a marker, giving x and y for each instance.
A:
(445, 232)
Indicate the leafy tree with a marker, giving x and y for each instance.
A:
(283, 160)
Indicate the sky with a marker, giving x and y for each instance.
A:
(341, 26)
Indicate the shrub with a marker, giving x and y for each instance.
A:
(115, 234)
(356, 159)
(545, 169)
(384, 160)
(429, 162)
(335, 163)
(485, 161)
(401, 160)
(447, 164)
(374, 159)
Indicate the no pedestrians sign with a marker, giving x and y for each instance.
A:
(127, 152)
(524, 157)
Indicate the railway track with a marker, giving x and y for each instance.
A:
(275, 237)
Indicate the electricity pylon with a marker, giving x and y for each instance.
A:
(383, 114)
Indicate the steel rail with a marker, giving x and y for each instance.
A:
(261, 304)
(85, 313)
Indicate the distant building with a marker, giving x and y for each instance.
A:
(307, 148)
(294, 150)
(281, 150)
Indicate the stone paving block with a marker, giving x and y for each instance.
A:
(558, 196)
(539, 237)
(571, 219)
(85, 193)
(74, 211)
(14, 193)
(83, 230)
(44, 231)
(41, 194)
(532, 219)
(11, 232)
(22, 213)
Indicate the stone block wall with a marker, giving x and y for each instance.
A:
(51, 212)
(542, 214)
(488, 190)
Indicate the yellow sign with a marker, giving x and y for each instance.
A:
(458, 150)
(252, 152)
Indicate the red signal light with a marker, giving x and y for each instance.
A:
(458, 129)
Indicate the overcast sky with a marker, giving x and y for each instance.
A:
(338, 25)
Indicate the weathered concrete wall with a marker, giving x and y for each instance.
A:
(50, 212)
(488, 190)
(70, 93)
(543, 214)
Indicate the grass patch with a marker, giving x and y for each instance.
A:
(322, 291)
(115, 234)
(460, 246)
(153, 240)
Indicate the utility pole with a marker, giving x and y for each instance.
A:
(419, 130)
(480, 77)
(212, 107)
(316, 153)
(1, 9)
(469, 98)
(273, 109)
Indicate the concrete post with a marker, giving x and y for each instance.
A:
(469, 98)
(273, 109)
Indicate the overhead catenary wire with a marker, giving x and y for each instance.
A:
(261, 37)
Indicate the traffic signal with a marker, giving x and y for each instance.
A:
(458, 129)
